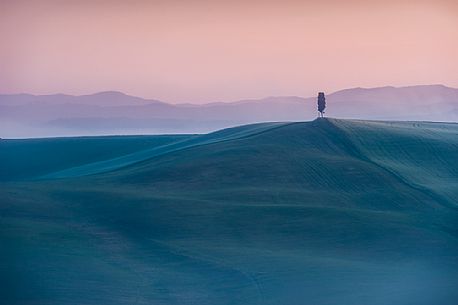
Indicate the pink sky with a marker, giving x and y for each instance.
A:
(201, 51)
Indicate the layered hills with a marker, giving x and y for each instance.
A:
(108, 113)
(322, 212)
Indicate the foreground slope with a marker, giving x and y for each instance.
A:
(24, 159)
(322, 212)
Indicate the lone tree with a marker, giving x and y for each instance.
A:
(321, 103)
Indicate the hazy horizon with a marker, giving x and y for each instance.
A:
(205, 51)
(116, 113)
(255, 98)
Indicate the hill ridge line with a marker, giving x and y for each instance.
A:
(58, 174)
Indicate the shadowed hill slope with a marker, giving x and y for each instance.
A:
(158, 150)
(32, 158)
(323, 212)
(422, 154)
(345, 156)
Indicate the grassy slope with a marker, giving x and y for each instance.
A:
(32, 158)
(325, 212)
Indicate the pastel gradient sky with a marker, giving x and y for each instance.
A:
(201, 51)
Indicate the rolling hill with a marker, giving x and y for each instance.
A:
(322, 212)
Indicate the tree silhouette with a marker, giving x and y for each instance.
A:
(321, 103)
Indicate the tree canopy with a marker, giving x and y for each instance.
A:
(321, 103)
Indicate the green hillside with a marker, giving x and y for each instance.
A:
(323, 212)
(32, 158)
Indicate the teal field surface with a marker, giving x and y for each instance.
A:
(326, 212)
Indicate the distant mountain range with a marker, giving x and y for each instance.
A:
(26, 115)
